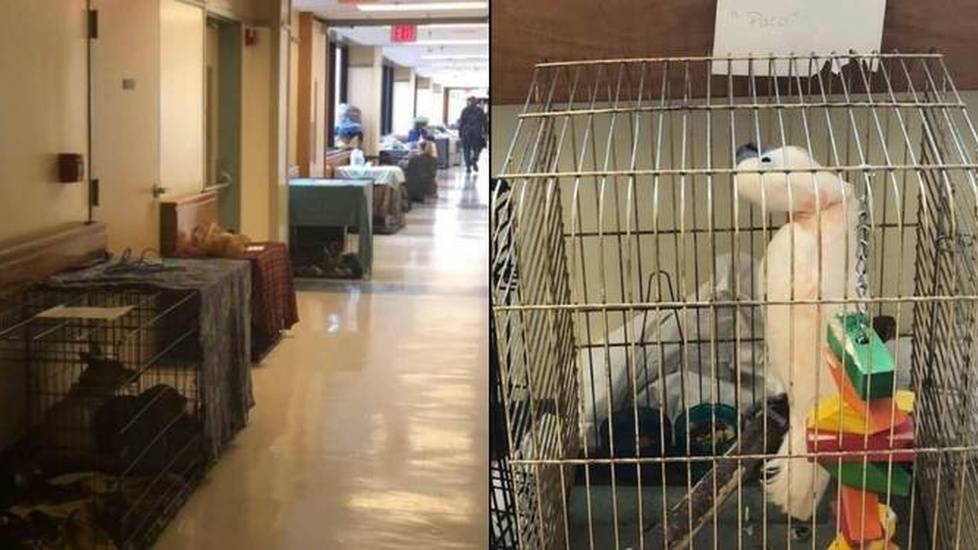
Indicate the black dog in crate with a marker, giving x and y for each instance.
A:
(320, 252)
(145, 434)
(115, 460)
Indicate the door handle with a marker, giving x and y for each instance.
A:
(158, 190)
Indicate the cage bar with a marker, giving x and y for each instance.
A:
(629, 309)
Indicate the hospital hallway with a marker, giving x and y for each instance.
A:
(370, 430)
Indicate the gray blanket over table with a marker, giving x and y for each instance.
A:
(225, 332)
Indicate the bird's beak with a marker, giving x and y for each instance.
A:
(746, 151)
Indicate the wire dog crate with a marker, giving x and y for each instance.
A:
(502, 516)
(109, 442)
(630, 302)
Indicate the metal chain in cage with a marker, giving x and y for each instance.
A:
(862, 255)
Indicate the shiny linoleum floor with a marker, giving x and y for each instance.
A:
(370, 429)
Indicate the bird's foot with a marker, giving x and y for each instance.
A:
(801, 533)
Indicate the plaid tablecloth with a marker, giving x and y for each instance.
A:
(273, 303)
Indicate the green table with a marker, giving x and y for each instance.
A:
(335, 203)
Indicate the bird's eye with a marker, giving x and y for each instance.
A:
(765, 159)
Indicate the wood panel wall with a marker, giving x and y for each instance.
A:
(180, 217)
(526, 32)
(304, 115)
(29, 260)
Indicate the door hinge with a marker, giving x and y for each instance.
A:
(93, 192)
(93, 24)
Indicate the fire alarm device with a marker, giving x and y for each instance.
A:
(71, 167)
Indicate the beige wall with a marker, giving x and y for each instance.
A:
(437, 104)
(430, 101)
(265, 129)
(280, 84)
(42, 113)
(293, 54)
(264, 126)
(405, 82)
(402, 74)
(364, 82)
(249, 10)
(256, 109)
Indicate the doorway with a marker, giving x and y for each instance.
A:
(222, 93)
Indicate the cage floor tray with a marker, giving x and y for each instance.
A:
(728, 529)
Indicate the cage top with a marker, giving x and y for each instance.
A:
(802, 81)
(758, 57)
(861, 114)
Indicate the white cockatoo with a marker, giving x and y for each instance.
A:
(810, 257)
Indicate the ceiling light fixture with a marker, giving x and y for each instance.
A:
(447, 42)
(454, 63)
(455, 26)
(451, 57)
(424, 6)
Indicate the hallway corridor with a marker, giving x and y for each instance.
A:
(370, 429)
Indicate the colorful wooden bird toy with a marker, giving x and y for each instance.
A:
(866, 431)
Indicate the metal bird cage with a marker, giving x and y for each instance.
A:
(638, 409)
(109, 442)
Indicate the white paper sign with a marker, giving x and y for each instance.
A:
(801, 27)
(100, 313)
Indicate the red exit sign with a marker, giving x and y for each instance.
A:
(404, 33)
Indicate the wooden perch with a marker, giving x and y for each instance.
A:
(702, 501)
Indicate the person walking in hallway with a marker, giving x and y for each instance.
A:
(472, 131)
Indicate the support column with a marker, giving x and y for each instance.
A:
(437, 109)
(281, 126)
(405, 109)
(422, 97)
(311, 85)
(364, 83)
(446, 116)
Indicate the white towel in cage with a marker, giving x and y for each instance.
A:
(543, 440)
(688, 344)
